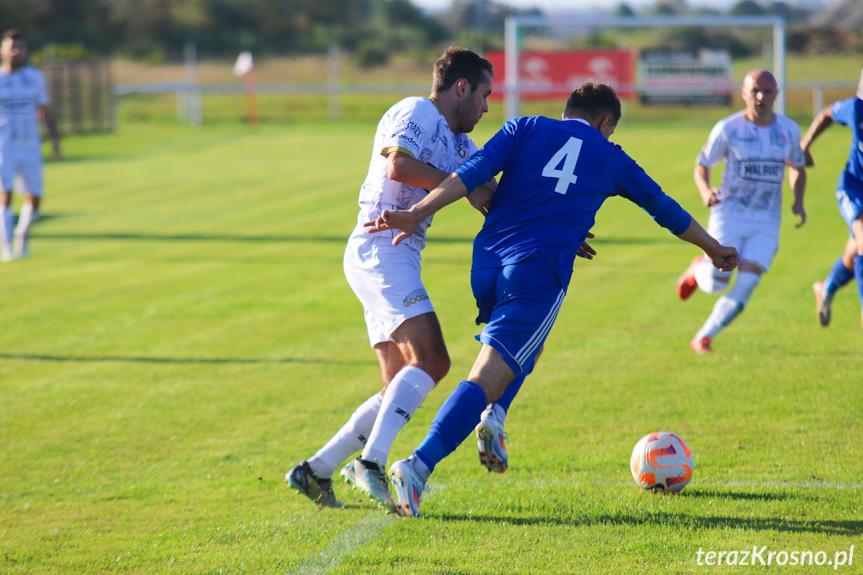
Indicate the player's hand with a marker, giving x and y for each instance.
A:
(725, 258)
(798, 210)
(402, 220)
(480, 197)
(710, 198)
(585, 251)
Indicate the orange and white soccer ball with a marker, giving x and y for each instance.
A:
(661, 462)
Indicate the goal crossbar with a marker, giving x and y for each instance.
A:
(514, 24)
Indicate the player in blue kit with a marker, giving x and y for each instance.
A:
(556, 175)
(849, 195)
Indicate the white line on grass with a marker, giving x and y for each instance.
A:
(344, 545)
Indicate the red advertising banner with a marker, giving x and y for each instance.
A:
(549, 75)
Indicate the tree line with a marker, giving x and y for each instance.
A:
(157, 30)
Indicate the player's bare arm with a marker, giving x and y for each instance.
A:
(53, 133)
(797, 180)
(702, 181)
(406, 169)
(480, 197)
(451, 190)
(724, 258)
(822, 121)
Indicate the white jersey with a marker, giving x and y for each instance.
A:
(416, 127)
(755, 159)
(21, 94)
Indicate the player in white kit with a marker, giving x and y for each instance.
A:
(745, 211)
(418, 143)
(23, 98)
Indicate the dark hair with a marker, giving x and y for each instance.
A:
(458, 63)
(14, 33)
(594, 100)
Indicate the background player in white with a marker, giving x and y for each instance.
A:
(418, 142)
(23, 98)
(746, 209)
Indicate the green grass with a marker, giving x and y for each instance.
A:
(183, 334)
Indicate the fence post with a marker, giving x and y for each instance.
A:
(817, 99)
(333, 58)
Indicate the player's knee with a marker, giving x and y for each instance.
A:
(435, 364)
(439, 366)
(743, 287)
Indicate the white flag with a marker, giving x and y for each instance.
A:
(244, 64)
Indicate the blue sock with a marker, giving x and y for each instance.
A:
(858, 273)
(838, 277)
(510, 392)
(455, 420)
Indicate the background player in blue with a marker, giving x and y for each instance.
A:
(556, 175)
(849, 195)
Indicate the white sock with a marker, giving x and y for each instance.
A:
(494, 410)
(348, 440)
(729, 306)
(710, 280)
(402, 398)
(26, 217)
(6, 231)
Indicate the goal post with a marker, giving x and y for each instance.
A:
(516, 24)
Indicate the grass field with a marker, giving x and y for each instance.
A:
(183, 334)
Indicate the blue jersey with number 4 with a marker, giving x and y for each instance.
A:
(556, 175)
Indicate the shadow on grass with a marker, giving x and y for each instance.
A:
(737, 495)
(846, 528)
(294, 239)
(175, 360)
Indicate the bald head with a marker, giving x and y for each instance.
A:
(763, 78)
(759, 92)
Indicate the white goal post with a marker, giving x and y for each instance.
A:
(515, 25)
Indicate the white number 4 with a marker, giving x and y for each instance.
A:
(565, 176)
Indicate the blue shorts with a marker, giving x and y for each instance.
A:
(850, 205)
(518, 303)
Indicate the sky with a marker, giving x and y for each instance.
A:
(574, 5)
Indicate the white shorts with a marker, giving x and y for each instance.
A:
(756, 242)
(386, 279)
(25, 163)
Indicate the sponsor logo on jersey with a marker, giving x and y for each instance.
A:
(408, 125)
(461, 150)
(769, 171)
(405, 139)
(415, 296)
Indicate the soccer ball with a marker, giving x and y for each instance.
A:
(661, 462)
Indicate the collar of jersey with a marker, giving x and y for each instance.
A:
(433, 101)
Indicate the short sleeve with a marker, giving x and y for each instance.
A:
(796, 158)
(410, 125)
(43, 98)
(716, 147)
(843, 111)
